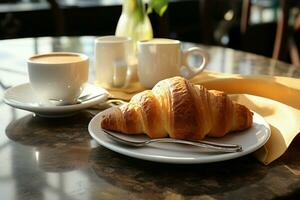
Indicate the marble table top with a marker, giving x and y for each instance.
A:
(42, 158)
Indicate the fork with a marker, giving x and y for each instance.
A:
(80, 100)
(211, 146)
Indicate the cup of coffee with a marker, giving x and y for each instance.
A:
(161, 58)
(113, 60)
(58, 76)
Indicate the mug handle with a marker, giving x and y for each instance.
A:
(120, 68)
(192, 71)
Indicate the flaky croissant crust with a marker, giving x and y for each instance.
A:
(178, 109)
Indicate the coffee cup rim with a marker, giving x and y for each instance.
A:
(83, 57)
(148, 42)
(112, 39)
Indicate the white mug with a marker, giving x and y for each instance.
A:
(113, 57)
(161, 58)
(58, 77)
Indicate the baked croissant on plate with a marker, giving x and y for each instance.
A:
(178, 109)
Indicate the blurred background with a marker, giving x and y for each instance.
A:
(265, 27)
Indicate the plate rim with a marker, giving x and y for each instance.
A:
(51, 110)
(172, 160)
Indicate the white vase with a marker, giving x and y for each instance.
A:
(134, 21)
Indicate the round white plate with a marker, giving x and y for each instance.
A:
(23, 97)
(251, 140)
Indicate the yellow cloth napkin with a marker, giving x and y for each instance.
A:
(283, 120)
(277, 99)
(125, 93)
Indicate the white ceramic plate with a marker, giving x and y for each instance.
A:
(23, 97)
(251, 140)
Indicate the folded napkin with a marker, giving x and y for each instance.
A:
(283, 121)
(125, 93)
(275, 98)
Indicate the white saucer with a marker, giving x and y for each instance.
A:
(23, 97)
(251, 140)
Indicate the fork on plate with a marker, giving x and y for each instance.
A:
(210, 146)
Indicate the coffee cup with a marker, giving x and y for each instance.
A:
(114, 59)
(58, 76)
(161, 58)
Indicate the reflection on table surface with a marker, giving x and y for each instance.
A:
(44, 158)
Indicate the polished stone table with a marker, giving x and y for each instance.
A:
(42, 158)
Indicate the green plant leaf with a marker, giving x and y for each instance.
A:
(159, 6)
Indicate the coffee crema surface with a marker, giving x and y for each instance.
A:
(57, 59)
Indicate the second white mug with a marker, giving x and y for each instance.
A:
(113, 55)
(161, 58)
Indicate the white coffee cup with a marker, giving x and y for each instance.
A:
(58, 76)
(161, 58)
(113, 57)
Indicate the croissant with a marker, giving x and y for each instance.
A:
(178, 109)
